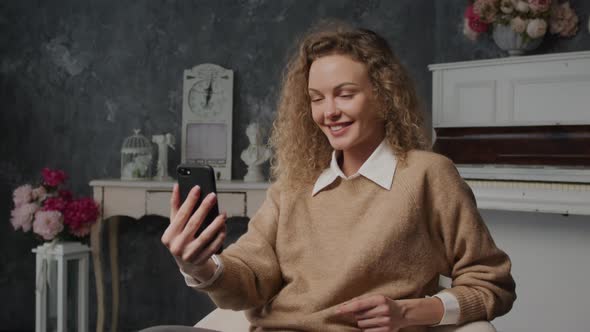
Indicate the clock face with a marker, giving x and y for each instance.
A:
(203, 97)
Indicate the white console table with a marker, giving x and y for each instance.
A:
(139, 198)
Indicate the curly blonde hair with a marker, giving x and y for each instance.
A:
(301, 150)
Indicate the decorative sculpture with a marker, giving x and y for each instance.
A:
(255, 154)
(163, 142)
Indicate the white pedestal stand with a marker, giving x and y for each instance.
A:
(55, 259)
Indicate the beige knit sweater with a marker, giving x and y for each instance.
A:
(302, 255)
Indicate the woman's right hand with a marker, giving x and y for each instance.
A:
(193, 254)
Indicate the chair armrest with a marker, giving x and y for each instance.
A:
(479, 326)
(225, 320)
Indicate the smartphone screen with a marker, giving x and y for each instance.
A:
(190, 175)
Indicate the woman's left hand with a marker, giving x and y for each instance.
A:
(374, 313)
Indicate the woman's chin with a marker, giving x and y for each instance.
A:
(338, 145)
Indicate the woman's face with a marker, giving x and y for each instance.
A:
(343, 105)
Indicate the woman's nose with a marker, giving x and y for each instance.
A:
(332, 112)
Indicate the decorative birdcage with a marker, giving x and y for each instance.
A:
(136, 157)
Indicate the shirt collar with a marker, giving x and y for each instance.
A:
(379, 168)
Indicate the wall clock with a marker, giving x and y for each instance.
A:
(207, 104)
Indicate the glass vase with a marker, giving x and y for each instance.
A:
(513, 42)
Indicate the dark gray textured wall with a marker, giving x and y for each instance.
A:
(77, 76)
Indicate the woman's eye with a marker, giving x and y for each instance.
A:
(316, 99)
(346, 96)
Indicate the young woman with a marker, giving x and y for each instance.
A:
(361, 219)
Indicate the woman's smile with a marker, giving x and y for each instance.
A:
(339, 129)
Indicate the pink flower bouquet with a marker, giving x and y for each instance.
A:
(52, 212)
(531, 19)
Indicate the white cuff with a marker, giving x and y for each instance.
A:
(451, 307)
(193, 283)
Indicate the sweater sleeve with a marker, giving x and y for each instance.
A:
(251, 275)
(482, 282)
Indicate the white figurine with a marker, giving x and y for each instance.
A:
(255, 154)
(163, 142)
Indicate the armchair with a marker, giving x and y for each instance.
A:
(228, 320)
(235, 321)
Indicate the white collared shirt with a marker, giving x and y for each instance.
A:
(380, 168)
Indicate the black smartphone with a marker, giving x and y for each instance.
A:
(190, 175)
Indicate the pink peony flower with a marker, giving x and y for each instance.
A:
(522, 6)
(82, 230)
(55, 204)
(468, 32)
(48, 224)
(65, 194)
(564, 20)
(486, 10)
(22, 217)
(536, 28)
(518, 24)
(53, 178)
(507, 6)
(539, 6)
(39, 193)
(79, 214)
(22, 195)
(474, 22)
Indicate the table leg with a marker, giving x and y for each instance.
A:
(62, 295)
(95, 233)
(83, 294)
(114, 255)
